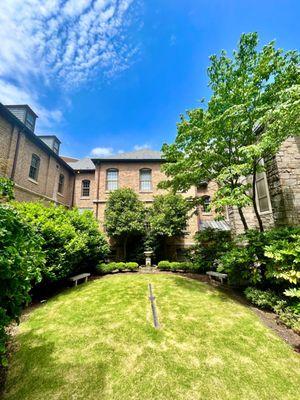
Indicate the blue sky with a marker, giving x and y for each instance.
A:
(114, 75)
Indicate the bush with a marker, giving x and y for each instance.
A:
(245, 262)
(72, 241)
(108, 268)
(265, 299)
(289, 315)
(164, 265)
(132, 266)
(174, 266)
(21, 260)
(210, 245)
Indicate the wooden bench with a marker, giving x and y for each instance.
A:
(216, 275)
(77, 278)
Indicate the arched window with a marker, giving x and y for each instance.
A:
(112, 179)
(206, 200)
(145, 180)
(34, 167)
(85, 188)
(61, 183)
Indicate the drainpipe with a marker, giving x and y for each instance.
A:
(13, 171)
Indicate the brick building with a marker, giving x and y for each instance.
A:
(39, 172)
(32, 161)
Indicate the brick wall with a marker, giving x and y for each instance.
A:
(47, 183)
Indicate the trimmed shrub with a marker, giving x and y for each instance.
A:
(132, 266)
(265, 299)
(72, 241)
(175, 266)
(21, 260)
(164, 265)
(108, 268)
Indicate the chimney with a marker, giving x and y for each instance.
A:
(51, 141)
(25, 114)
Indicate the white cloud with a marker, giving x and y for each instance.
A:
(61, 44)
(12, 94)
(102, 151)
(142, 147)
(68, 41)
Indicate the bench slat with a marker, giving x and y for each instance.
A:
(80, 276)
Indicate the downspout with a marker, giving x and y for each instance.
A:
(13, 171)
(97, 193)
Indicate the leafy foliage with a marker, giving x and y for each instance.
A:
(255, 105)
(210, 245)
(124, 216)
(21, 260)
(166, 218)
(72, 241)
(108, 268)
(175, 266)
(266, 299)
(6, 189)
(283, 254)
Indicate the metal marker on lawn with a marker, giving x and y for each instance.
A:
(153, 306)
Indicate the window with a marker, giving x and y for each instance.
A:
(262, 192)
(55, 146)
(61, 182)
(29, 121)
(206, 204)
(85, 188)
(112, 179)
(145, 180)
(34, 167)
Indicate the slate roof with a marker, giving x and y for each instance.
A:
(85, 164)
(143, 154)
(219, 225)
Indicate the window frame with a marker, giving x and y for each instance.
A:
(61, 183)
(109, 181)
(87, 188)
(36, 167)
(147, 181)
(205, 204)
(263, 178)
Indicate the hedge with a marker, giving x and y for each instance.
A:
(108, 268)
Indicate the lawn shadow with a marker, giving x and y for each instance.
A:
(49, 375)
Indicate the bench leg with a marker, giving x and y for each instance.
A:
(85, 279)
(75, 283)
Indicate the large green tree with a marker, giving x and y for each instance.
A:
(254, 107)
(124, 216)
(167, 217)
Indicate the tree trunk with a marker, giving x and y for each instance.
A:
(259, 220)
(243, 219)
(125, 248)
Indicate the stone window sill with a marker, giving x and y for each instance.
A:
(85, 198)
(33, 181)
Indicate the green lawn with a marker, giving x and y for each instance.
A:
(97, 341)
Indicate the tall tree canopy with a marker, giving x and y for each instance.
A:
(254, 107)
(124, 216)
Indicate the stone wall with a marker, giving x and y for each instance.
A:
(283, 175)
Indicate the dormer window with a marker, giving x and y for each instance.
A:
(56, 147)
(30, 121)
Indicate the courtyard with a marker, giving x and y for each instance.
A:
(97, 341)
